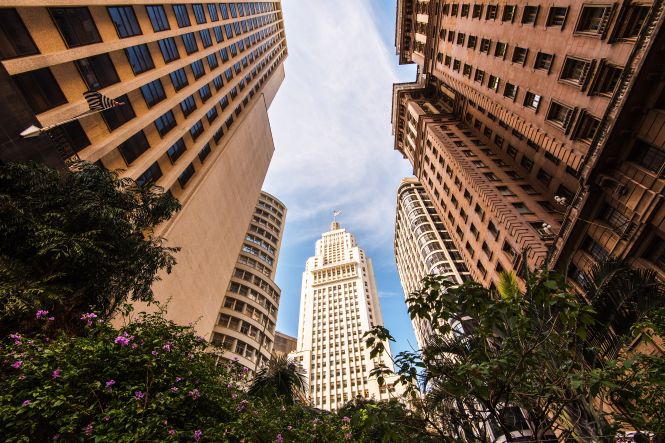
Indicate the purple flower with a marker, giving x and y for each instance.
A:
(110, 383)
(139, 395)
(134, 346)
(50, 318)
(242, 405)
(172, 432)
(178, 379)
(17, 364)
(89, 317)
(245, 369)
(123, 340)
(167, 346)
(234, 396)
(197, 435)
(107, 418)
(88, 430)
(56, 373)
(26, 402)
(16, 337)
(194, 393)
(279, 438)
(346, 419)
(56, 437)
(348, 436)
(40, 313)
(173, 389)
(154, 353)
(289, 427)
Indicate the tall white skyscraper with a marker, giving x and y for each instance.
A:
(339, 302)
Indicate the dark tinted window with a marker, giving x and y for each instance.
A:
(212, 61)
(186, 175)
(40, 89)
(205, 93)
(169, 49)
(176, 150)
(75, 135)
(97, 71)
(76, 26)
(190, 42)
(212, 10)
(179, 79)
(136, 145)
(203, 153)
(205, 38)
(119, 115)
(153, 92)
(158, 18)
(219, 35)
(165, 123)
(188, 105)
(198, 69)
(196, 130)
(181, 15)
(199, 14)
(151, 175)
(139, 58)
(224, 10)
(125, 22)
(14, 38)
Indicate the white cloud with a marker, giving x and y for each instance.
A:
(331, 123)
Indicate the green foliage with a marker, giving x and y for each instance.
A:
(280, 377)
(150, 381)
(75, 241)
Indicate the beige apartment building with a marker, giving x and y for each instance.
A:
(284, 344)
(339, 302)
(246, 323)
(423, 246)
(195, 79)
(537, 126)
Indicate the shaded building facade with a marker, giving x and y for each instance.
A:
(423, 246)
(195, 80)
(284, 344)
(514, 108)
(339, 302)
(246, 323)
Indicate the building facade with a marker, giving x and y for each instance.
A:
(284, 344)
(245, 326)
(339, 302)
(423, 246)
(195, 80)
(512, 108)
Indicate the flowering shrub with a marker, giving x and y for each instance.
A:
(152, 380)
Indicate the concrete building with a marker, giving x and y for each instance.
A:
(339, 302)
(284, 344)
(423, 246)
(246, 323)
(513, 106)
(196, 81)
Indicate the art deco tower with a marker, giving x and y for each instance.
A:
(246, 323)
(339, 302)
(196, 80)
(423, 246)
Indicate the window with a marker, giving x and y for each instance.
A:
(196, 130)
(199, 14)
(158, 18)
(521, 208)
(176, 150)
(179, 79)
(527, 163)
(212, 10)
(133, 147)
(75, 25)
(125, 22)
(75, 135)
(467, 70)
(456, 65)
(647, 156)
(491, 176)
(151, 175)
(15, 41)
(632, 22)
(189, 41)
(212, 61)
(491, 12)
(188, 105)
(206, 39)
(530, 14)
(153, 93)
(529, 189)
(211, 115)
(607, 79)
(223, 8)
(595, 250)
(575, 70)
(198, 69)
(500, 49)
(119, 115)
(139, 58)
(217, 81)
(184, 178)
(485, 45)
(532, 100)
(510, 91)
(479, 76)
(544, 177)
(40, 89)
(550, 157)
(508, 13)
(511, 151)
(586, 127)
(203, 153)
(465, 10)
(169, 49)
(471, 43)
(615, 218)
(97, 71)
(559, 115)
(460, 38)
(593, 19)
(493, 83)
(543, 61)
(505, 191)
(557, 16)
(165, 123)
(519, 55)
(205, 93)
(477, 11)
(181, 16)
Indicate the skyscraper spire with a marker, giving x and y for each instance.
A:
(334, 225)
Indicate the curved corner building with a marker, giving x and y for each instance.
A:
(423, 246)
(246, 324)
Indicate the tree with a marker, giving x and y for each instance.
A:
(280, 377)
(76, 241)
(504, 360)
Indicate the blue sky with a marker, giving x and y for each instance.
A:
(334, 147)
